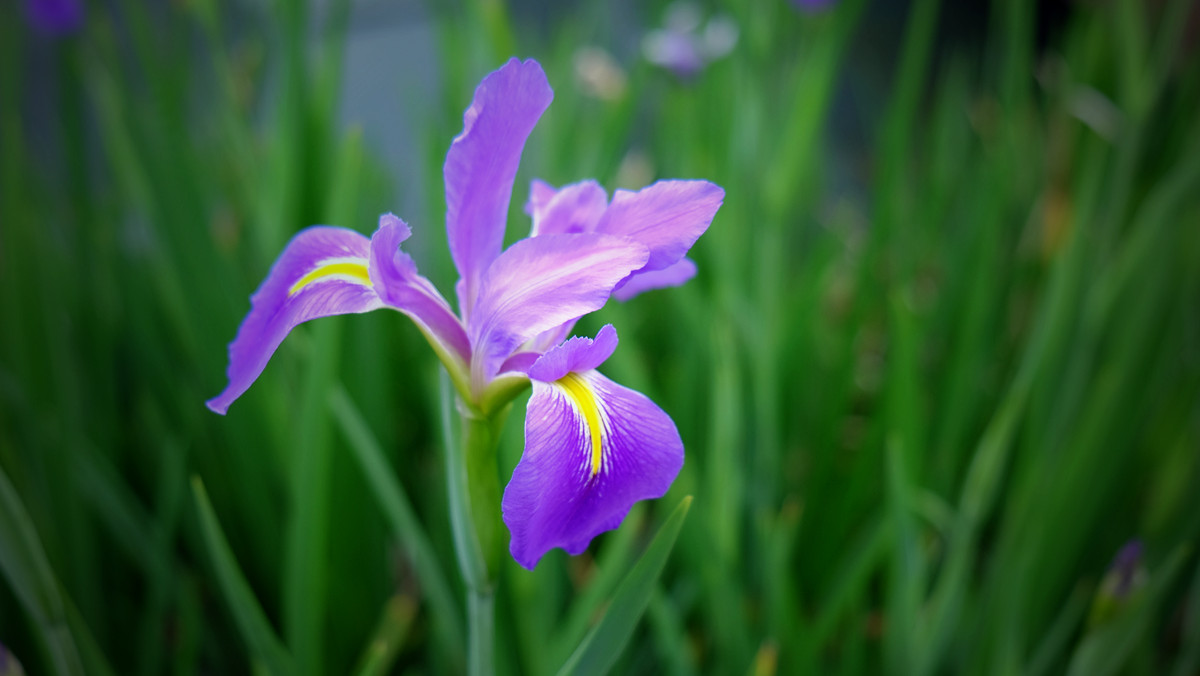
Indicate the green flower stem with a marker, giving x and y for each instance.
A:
(473, 489)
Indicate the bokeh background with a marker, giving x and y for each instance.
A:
(938, 378)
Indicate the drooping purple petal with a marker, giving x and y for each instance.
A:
(482, 163)
(673, 275)
(572, 209)
(323, 271)
(540, 283)
(592, 449)
(394, 275)
(667, 217)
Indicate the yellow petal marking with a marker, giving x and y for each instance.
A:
(579, 392)
(348, 269)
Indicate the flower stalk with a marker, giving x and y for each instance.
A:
(473, 489)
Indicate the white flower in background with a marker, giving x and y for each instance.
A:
(598, 74)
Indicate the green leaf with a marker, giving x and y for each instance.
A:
(251, 621)
(393, 628)
(604, 644)
(397, 508)
(23, 563)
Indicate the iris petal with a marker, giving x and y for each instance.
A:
(394, 274)
(322, 272)
(574, 208)
(540, 283)
(592, 449)
(668, 217)
(672, 275)
(564, 491)
(482, 163)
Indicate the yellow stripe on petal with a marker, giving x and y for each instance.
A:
(345, 269)
(581, 394)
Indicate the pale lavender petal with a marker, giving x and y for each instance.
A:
(563, 493)
(577, 354)
(519, 361)
(323, 271)
(540, 194)
(394, 275)
(574, 208)
(668, 217)
(540, 283)
(674, 275)
(482, 164)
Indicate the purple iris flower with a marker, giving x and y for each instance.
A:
(592, 447)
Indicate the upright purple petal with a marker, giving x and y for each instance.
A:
(482, 164)
(673, 275)
(540, 283)
(394, 275)
(592, 449)
(323, 271)
(575, 208)
(667, 217)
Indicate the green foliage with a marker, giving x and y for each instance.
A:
(934, 372)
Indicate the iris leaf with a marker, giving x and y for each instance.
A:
(261, 640)
(23, 562)
(604, 644)
(398, 509)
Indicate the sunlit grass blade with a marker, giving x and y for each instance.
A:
(28, 572)
(603, 646)
(617, 555)
(384, 645)
(393, 501)
(252, 623)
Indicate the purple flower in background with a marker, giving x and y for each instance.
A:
(55, 17)
(592, 447)
(686, 44)
(1125, 572)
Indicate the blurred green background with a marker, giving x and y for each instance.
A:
(940, 365)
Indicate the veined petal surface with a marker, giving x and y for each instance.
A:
(667, 217)
(323, 271)
(482, 164)
(672, 275)
(540, 283)
(574, 208)
(394, 275)
(592, 449)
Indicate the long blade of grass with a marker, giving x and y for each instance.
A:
(604, 644)
(394, 502)
(24, 564)
(385, 643)
(256, 631)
